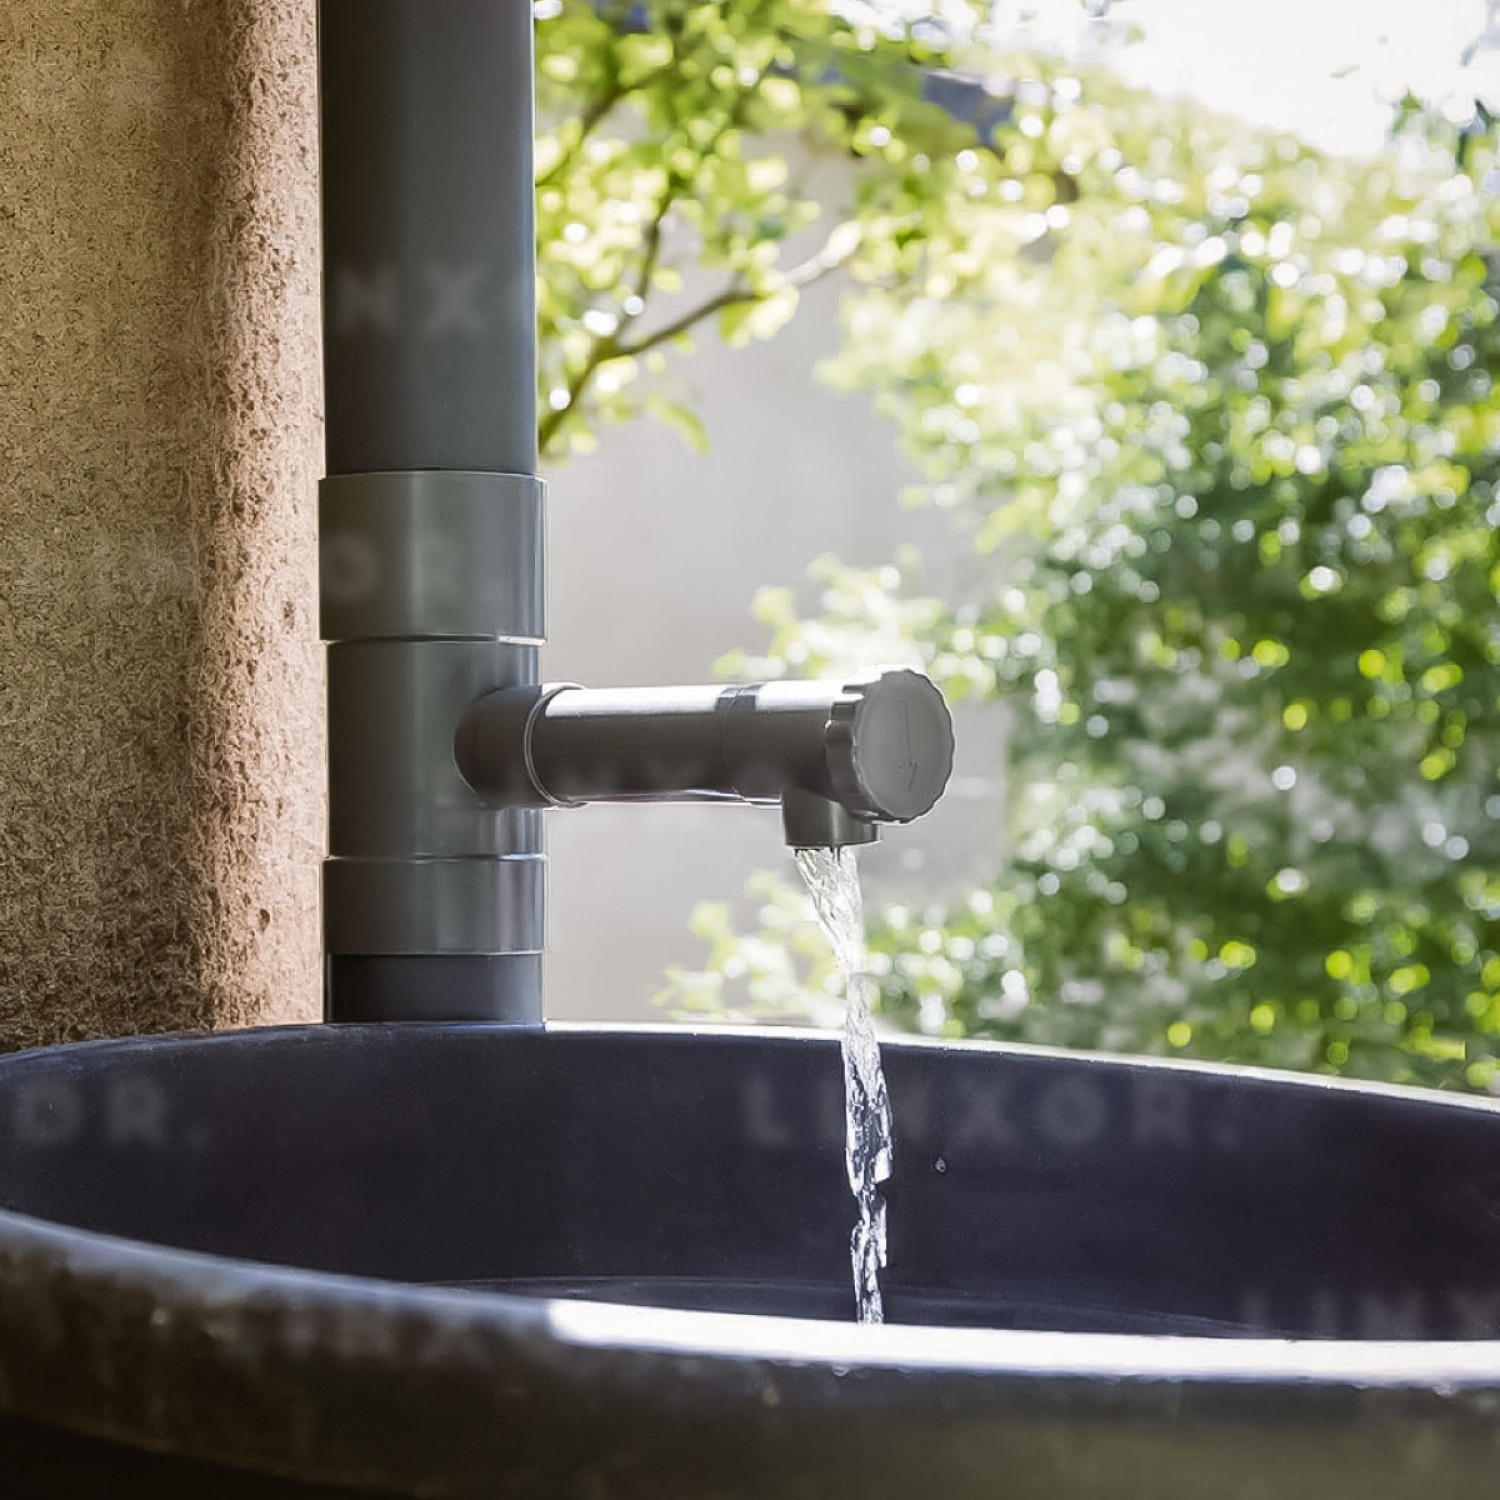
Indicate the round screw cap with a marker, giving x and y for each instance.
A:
(890, 746)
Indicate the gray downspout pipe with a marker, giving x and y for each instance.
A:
(431, 515)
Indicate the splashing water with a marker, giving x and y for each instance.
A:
(833, 880)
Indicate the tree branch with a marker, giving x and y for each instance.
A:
(590, 120)
(804, 275)
(731, 296)
(609, 347)
(597, 112)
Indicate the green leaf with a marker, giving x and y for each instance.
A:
(681, 419)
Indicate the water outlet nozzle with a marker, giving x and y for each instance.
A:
(841, 758)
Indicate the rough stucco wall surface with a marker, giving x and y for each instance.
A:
(161, 804)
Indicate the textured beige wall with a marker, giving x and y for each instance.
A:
(160, 688)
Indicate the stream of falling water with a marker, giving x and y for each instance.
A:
(833, 879)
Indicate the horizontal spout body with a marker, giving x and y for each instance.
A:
(841, 758)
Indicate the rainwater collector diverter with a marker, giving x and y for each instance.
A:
(443, 745)
(478, 1260)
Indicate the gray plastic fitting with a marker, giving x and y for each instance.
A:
(840, 757)
(431, 599)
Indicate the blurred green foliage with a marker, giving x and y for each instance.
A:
(1246, 607)
(677, 146)
(1220, 415)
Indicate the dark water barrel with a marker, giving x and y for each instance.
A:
(613, 1265)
